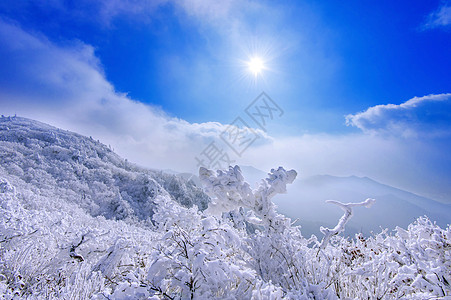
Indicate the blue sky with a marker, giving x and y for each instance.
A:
(161, 79)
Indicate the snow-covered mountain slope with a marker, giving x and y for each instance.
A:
(74, 216)
(64, 165)
(78, 222)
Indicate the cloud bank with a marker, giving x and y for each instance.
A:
(428, 116)
(66, 87)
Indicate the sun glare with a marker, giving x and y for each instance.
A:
(256, 65)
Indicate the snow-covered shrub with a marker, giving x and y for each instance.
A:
(412, 263)
(278, 250)
(6, 187)
(198, 257)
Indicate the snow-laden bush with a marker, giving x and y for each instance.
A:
(277, 249)
(54, 250)
(198, 257)
(412, 263)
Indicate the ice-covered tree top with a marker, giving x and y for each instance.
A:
(229, 191)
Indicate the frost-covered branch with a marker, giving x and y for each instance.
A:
(229, 191)
(72, 252)
(347, 207)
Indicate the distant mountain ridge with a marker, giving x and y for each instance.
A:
(306, 198)
(393, 207)
(373, 187)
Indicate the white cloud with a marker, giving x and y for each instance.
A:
(439, 18)
(405, 145)
(428, 116)
(65, 86)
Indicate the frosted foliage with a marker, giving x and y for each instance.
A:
(78, 222)
(229, 191)
(6, 187)
(307, 269)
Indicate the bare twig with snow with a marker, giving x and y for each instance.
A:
(347, 207)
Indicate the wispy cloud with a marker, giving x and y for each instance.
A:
(428, 116)
(440, 17)
(106, 11)
(205, 11)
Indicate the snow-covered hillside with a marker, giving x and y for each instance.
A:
(79, 222)
(63, 165)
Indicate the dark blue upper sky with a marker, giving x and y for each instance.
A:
(328, 59)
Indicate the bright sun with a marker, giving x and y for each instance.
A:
(256, 65)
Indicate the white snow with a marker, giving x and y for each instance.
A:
(79, 222)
